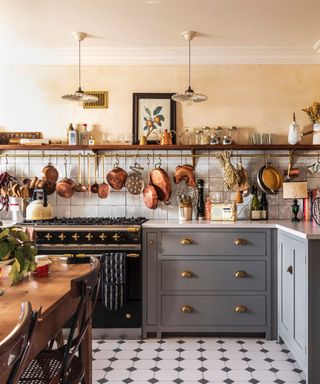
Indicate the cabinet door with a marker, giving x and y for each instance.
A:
(285, 264)
(299, 296)
(292, 295)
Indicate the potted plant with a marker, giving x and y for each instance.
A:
(17, 248)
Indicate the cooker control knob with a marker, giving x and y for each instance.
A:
(103, 236)
(75, 237)
(89, 236)
(62, 236)
(128, 315)
(116, 237)
(48, 236)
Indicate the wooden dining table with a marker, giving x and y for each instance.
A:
(51, 296)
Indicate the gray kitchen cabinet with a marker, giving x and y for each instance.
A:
(212, 280)
(292, 295)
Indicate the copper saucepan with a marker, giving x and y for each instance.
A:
(117, 177)
(161, 181)
(66, 186)
(50, 173)
(150, 196)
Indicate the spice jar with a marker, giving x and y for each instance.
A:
(207, 209)
(198, 136)
(214, 139)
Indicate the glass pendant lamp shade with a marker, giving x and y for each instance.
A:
(189, 96)
(79, 95)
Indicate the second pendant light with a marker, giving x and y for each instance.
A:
(189, 96)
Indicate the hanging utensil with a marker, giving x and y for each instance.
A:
(134, 181)
(117, 176)
(103, 189)
(65, 187)
(89, 176)
(95, 185)
(79, 187)
(161, 181)
(185, 172)
(50, 173)
(150, 197)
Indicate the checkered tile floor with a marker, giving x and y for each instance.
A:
(194, 360)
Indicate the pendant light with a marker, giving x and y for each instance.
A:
(189, 95)
(79, 95)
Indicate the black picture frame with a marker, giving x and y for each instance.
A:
(167, 121)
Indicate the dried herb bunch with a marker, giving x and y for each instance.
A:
(230, 175)
(313, 112)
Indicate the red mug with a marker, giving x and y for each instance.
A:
(42, 270)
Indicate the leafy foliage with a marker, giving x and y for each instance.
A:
(15, 244)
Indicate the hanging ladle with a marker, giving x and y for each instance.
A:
(95, 185)
(79, 187)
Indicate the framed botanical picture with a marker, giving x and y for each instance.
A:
(152, 114)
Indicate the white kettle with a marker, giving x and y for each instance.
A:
(39, 208)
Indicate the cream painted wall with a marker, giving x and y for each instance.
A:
(260, 98)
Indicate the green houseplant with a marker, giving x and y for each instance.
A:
(15, 245)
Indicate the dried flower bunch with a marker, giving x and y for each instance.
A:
(313, 112)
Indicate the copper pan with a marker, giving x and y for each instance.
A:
(161, 181)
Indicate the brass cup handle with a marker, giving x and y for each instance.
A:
(240, 242)
(186, 274)
(240, 274)
(240, 308)
(186, 309)
(290, 269)
(186, 241)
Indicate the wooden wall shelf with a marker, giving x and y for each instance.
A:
(121, 147)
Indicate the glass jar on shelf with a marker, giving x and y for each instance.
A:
(198, 133)
(186, 137)
(233, 134)
(219, 134)
(206, 136)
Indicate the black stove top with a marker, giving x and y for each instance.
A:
(119, 221)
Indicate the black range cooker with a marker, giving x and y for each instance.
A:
(118, 242)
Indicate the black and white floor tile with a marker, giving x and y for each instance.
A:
(209, 360)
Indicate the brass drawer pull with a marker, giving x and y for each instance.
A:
(186, 309)
(290, 269)
(240, 309)
(240, 242)
(240, 274)
(186, 274)
(186, 241)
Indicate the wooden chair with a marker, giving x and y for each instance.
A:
(64, 365)
(14, 348)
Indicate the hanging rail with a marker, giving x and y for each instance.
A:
(156, 155)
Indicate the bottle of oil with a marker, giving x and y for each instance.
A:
(72, 135)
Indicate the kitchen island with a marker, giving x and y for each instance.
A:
(243, 277)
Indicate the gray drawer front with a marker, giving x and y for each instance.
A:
(213, 275)
(213, 310)
(214, 243)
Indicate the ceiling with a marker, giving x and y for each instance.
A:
(137, 31)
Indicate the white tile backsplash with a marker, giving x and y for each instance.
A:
(121, 203)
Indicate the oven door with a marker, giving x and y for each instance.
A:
(129, 315)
